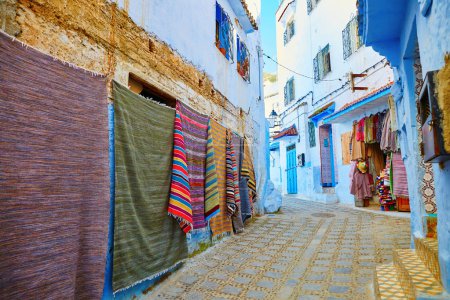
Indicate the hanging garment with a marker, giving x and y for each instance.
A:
(358, 147)
(345, 146)
(400, 181)
(195, 131)
(376, 124)
(380, 124)
(352, 173)
(386, 133)
(221, 223)
(212, 207)
(233, 196)
(54, 178)
(147, 241)
(180, 206)
(368, 130)
(360, 130)
(392, 112)
(361, 186)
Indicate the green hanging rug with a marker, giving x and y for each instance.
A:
(147, 242)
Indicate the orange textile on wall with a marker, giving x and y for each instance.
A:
(346, 139)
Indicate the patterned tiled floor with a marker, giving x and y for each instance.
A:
(309, 251)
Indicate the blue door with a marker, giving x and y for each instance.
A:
(291, 169)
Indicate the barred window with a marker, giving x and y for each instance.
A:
(351, 40)
(243, 60)
(322, 63)
(311, 4)
(289, 32)
(224, 33)
(312, 134)
(289, 91)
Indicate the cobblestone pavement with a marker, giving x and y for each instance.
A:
(308, 251)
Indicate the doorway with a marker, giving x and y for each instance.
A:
(327, 167)
(291, 169)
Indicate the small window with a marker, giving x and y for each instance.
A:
(311, 4)
(351, 40)
(143, 88)
(224, 33)
(289, 91)
(322, 63)
(289, 32)
(312, 134)
(243, 60)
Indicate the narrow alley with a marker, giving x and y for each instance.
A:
(307, 251)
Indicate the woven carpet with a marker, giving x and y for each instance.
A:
(399, 176)
(180, 206)
(233, 196)
(247, 170)
(147, 242)
(54, 177)
(221, 223)
(195, 131)
(211, 190)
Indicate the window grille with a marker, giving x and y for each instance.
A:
(289, 32)
(243, 60)
(351, 40)
(224, 33)
(312, 134)
(289, 91)
(322, 64)
(311, 4)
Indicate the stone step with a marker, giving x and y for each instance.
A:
(386, 283)
(427, 250)
(415, 278)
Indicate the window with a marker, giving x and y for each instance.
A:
(351, 41)
(224, 33)
(311, 4)
(312, 134)
(322, 63)
(289, 32)
(143, 88)
(289, 91)
(243, 60)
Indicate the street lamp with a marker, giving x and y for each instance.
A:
(273, 117)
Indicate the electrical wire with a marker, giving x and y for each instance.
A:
(302, 75)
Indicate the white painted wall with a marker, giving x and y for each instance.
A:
(323, 26)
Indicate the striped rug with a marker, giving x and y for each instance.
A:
(249, 172)
(54, 186)
(221, 223)
(233, 196)
(180, 191)
(195, 131)
(400, 181)
(212, 207)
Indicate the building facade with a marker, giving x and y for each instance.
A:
(209, 61)
(413, 35)
(321, 99)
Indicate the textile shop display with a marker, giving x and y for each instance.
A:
(358, 150)
(195, 131)
(212, 207)
(180, 206)
(220, 224)
(346, 140)
(232, 186)
(54, 177)
(147, 242)
(361, 186)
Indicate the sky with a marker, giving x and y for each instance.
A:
(268, 9)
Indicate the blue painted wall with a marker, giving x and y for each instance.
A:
(432, 34)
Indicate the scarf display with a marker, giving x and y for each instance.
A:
(180, 206)
(212, 207)
(54, 177)
(195, 131)
(220, 224)
(147, 242)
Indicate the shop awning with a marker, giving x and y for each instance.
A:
(322, 112)
(291, 131)
(356, 108)
(274, 146)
